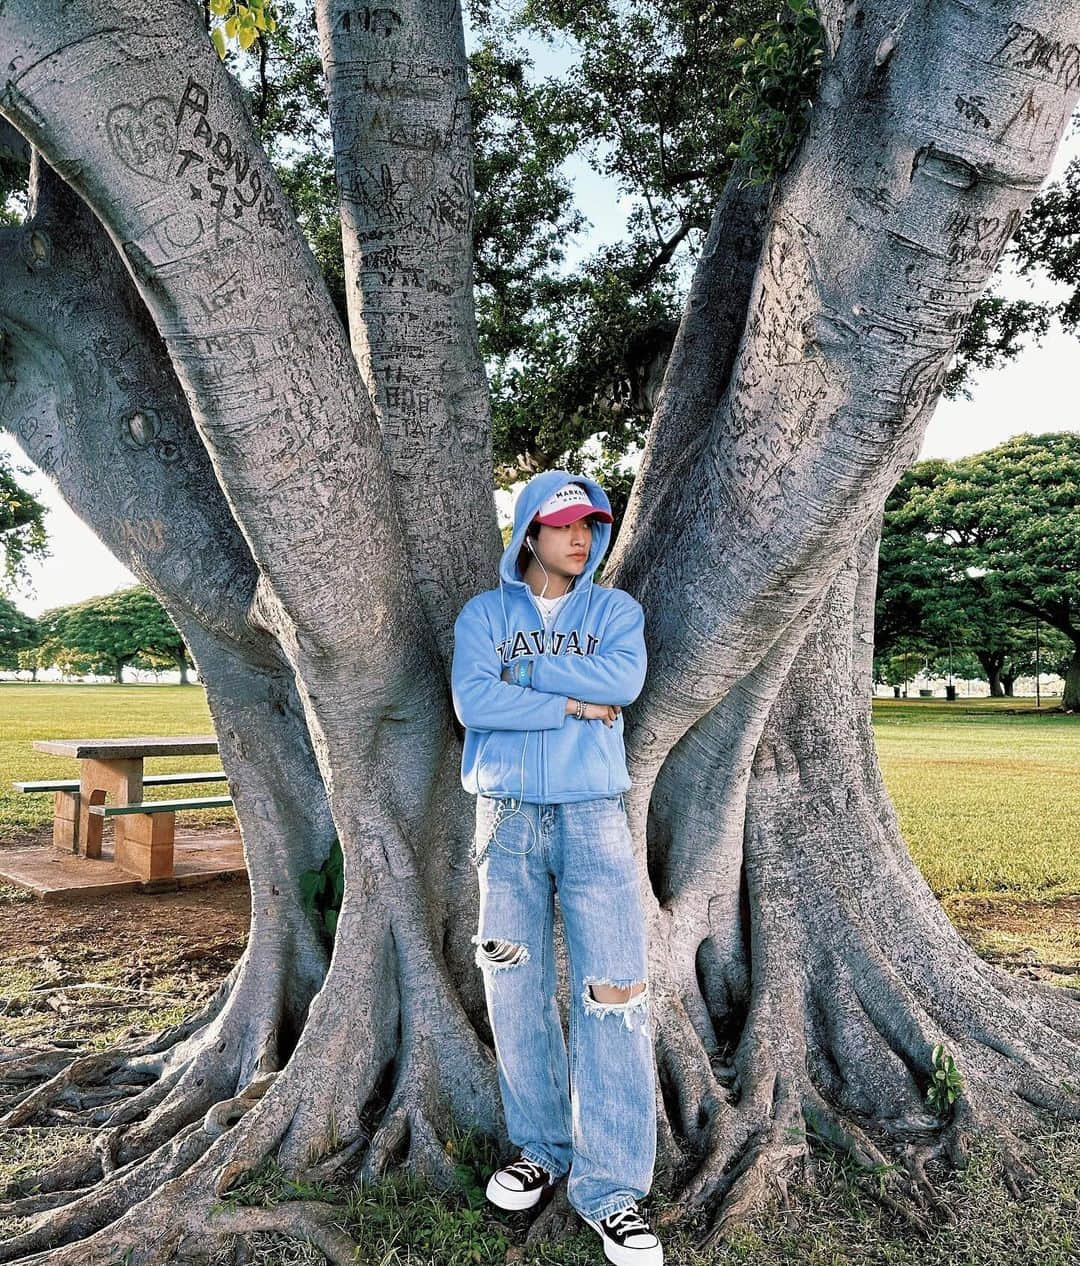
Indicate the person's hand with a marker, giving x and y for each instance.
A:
(606, 712)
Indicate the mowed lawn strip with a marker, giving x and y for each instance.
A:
(987, 793)
(47, 710)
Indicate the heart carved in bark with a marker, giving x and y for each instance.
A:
(143, 136)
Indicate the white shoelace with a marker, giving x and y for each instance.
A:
(627, 1220)
(527, 1169)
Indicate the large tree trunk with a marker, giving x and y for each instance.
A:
(332, 510)
(91, 397)
(1071, 698)
(991, 664)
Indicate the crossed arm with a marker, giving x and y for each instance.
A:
(486, 699)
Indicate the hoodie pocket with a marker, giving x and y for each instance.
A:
(597, 740)
(499, 763)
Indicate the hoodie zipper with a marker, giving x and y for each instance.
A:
(554, 626)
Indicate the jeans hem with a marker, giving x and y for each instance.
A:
(608, 1208)
(541, 1158)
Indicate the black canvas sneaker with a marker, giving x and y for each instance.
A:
(628, 1239)
(518, 1185)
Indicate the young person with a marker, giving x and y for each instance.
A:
(543, 666)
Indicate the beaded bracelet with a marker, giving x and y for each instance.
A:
(521, 672)
(579, 711)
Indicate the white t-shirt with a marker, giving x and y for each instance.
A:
(549, 607)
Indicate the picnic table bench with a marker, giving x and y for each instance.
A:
(113, 768)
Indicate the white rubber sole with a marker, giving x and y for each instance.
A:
(505, 1198)
(626, 1256)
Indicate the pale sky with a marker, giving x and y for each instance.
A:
(1037, 392)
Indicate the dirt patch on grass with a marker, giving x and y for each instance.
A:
(1035, 937)
(92, 971)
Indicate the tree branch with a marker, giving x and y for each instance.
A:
(90, 396)
(854, 317)
(403, 154)
(237, 295)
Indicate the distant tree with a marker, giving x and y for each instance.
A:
(158, 662)
(22, 526)
(972, 550)
(313, 505)
(899, 668)
(19, 633)
(105, 633)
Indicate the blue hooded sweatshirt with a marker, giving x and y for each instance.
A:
(520, 742)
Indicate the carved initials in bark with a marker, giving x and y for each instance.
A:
(314, 509)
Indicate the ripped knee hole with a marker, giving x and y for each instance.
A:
(497, 953)
(602, 997)
(616, 993)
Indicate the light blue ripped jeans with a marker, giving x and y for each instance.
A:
(593, 1117)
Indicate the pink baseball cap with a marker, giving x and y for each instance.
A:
(569, 503)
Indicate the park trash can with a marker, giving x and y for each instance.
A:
(950, 693)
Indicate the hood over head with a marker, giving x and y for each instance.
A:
(529, 501)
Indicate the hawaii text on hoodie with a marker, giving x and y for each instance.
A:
(520, 742)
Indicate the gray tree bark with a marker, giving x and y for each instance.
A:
(332, 510)
(1071, 697)
(90, 395)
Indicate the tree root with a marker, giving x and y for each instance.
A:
(62, 1070)
(408, 1135)
(836, 1052)
(556, 1220)
(195, 1082)
(107, 1200)
(298, 1219)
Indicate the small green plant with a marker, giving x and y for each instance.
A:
(321, 890)
(267, 1184)
(946, 1084)
(241, 22)
(779, 73)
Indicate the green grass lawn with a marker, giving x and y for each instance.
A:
(989, 800)
(987, 790)
(55, 710)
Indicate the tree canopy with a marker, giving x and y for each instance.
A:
(22, 527)
(975, 548)
(19, 633)
(105, 633)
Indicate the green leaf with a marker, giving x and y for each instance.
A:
(247, 36)
(218, 37)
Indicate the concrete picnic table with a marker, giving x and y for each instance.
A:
(109, 767)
